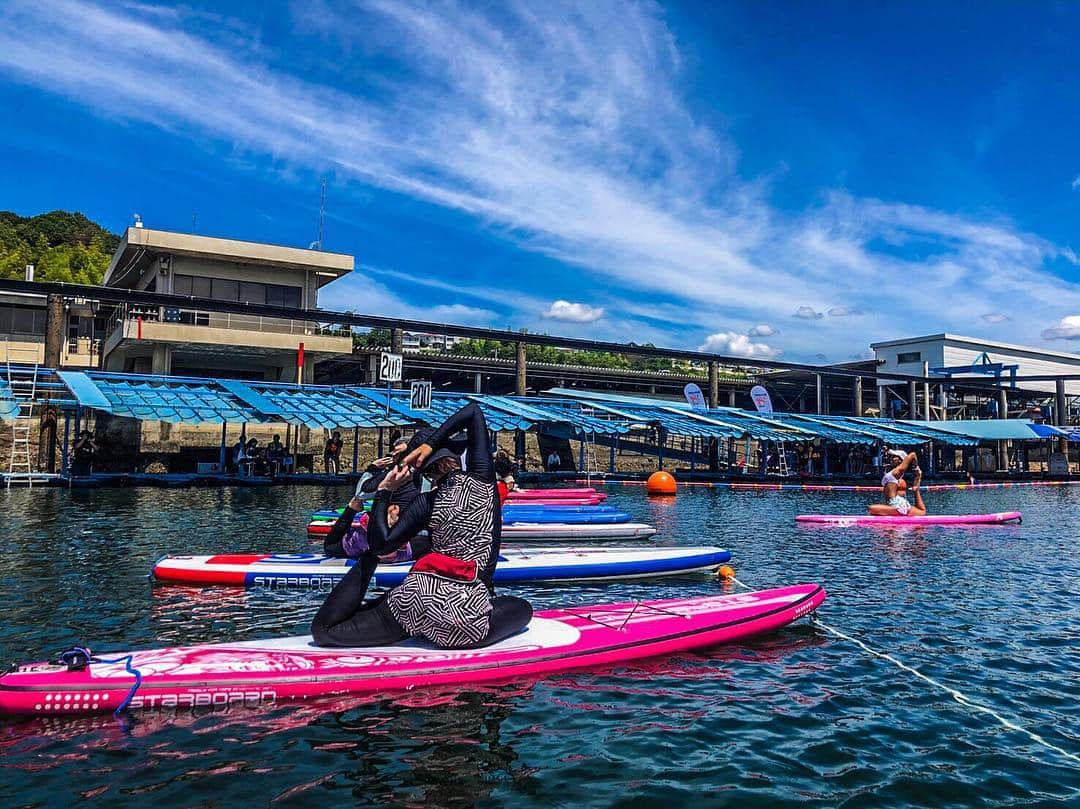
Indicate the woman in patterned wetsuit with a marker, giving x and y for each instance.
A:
(448, 597)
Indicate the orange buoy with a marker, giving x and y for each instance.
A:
(726, 572)
(660, 483)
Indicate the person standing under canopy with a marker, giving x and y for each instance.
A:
(448, 598)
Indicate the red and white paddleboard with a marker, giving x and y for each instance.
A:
(928, 519)
(551, 563)
(263, 672)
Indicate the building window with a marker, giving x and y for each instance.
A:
(908, 356)
(225, 290)
(21, 320)
(222, 289)
(252, 293)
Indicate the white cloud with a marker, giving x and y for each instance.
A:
(845, 311)
(1076, 182)
(739, 345)
(1068, 328)
(996, 317)
(762, 330)
(561, 126)
(574, 312)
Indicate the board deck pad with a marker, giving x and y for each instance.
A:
(300, 570)
(929, 519)
(265, 672)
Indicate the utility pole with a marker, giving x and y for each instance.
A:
(322, 211)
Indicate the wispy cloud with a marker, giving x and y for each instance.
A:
(1076, 182)
(561, 126)
(994, 318)
(762, 330)
(845, 311)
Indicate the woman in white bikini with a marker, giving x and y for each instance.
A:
(896, 504)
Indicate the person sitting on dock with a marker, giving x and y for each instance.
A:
(83, 455)
(893, 486)
(331, 452)
(448, 597)
(275, 455)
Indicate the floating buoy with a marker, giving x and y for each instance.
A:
(660, 483)
(726, 572)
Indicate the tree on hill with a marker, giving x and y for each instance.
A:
(62, 246)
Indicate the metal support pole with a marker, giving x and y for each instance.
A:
(478, 383)
(397, 341)
(355, 449)
(882, 401)
(54, 330)
(1061, 417)
(223, 448)
(693, 456)
(380, 442)
(913, 397)
(660, 454)
(1003, 403)
(943, 403)
(817, 388)
(926, 401)
(522, 380)
(64, 450)
(581, 453)
(611, 458)
(858, 409)
(714, 385)
(731, 398)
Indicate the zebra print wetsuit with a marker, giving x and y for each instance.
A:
(464, 521)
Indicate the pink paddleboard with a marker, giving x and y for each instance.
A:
(556, 494)
(929, 519)
(268, 671)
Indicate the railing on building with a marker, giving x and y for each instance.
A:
(128, 313)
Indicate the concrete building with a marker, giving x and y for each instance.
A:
(184, 340)
(942, 357)
(187, 341)
(22, 331)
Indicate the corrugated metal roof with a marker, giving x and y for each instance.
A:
(174, 400)
(193, 400)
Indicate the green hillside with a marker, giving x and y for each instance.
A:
(62, 246)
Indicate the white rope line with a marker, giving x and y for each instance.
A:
(956, 695)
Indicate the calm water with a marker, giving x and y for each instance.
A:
(800, 717)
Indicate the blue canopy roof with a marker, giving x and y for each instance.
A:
(572, 413)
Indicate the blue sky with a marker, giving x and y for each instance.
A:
(786, 180)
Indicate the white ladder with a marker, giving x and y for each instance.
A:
(20, 465)
(781, 462)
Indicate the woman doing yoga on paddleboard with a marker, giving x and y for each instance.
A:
(893, 486)
(448, 596)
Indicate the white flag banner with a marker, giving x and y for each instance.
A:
(694, 396)
(761, 398)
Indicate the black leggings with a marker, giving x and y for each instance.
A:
(345, 619)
